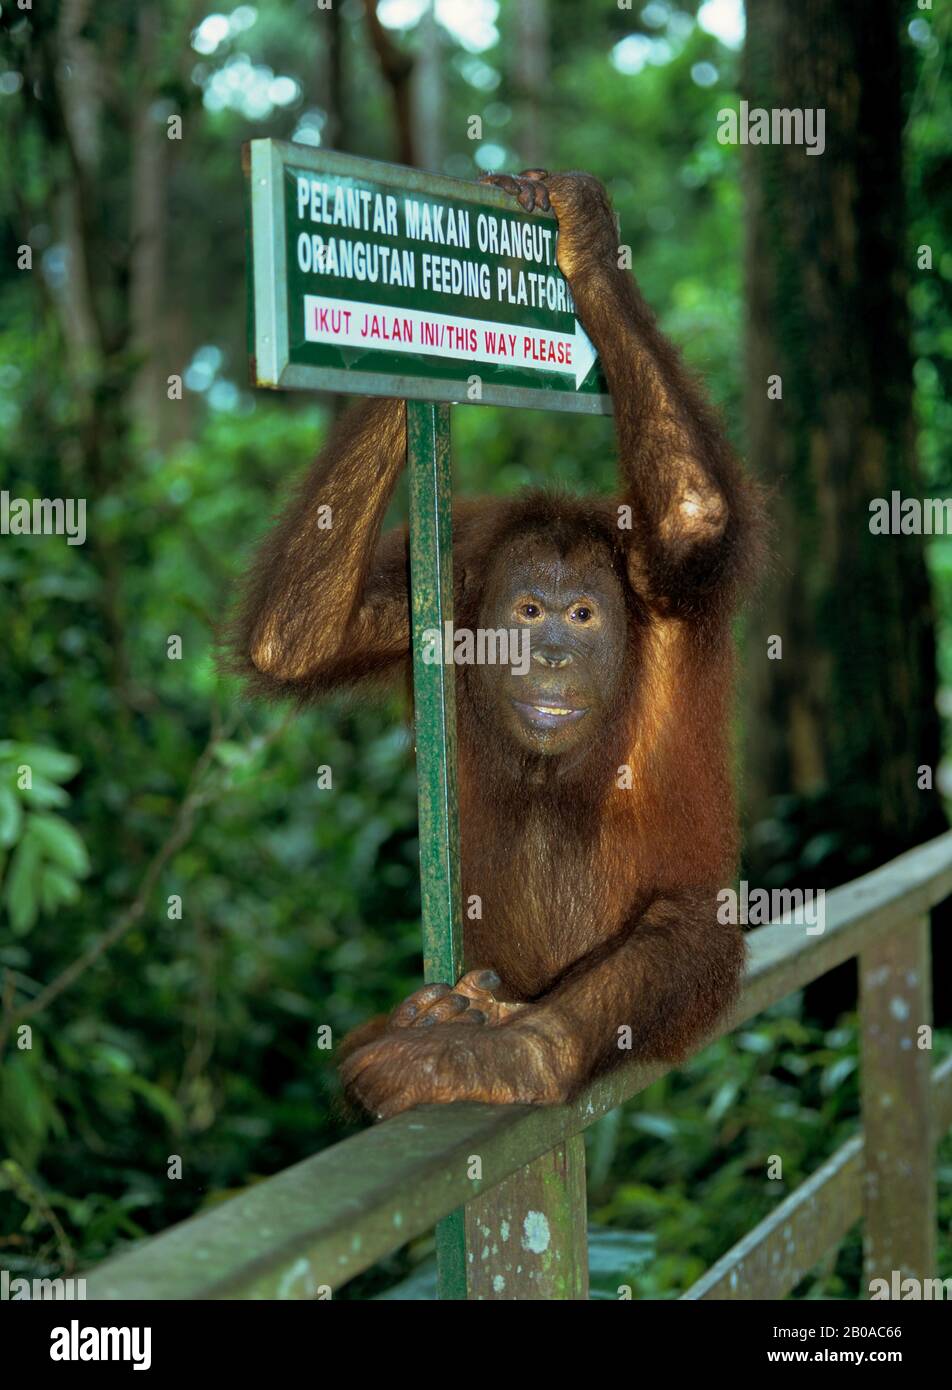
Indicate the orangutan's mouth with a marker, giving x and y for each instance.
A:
(548, 716)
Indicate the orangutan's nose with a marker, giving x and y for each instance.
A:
(553, 657)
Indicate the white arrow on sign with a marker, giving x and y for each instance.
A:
(381, 328)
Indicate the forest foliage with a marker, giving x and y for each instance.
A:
(183, 907)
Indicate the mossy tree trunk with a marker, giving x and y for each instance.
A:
(839, 728)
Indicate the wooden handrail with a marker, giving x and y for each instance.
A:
(317, 1224)
(771, 1259)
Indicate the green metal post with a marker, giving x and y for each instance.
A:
(431, 570)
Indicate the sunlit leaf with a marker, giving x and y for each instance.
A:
(60, 842)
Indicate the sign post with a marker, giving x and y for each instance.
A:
(375, 279)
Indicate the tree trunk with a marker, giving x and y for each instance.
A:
(396, 67)
(146, 262)
(839, 728)
(336, 133)
(530, 73)
(428, 96)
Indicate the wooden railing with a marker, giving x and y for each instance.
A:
(314, 1226)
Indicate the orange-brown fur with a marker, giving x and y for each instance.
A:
(598, 900)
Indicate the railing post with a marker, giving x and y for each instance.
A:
(527, 1237)
(896, 1088)
(431, 574)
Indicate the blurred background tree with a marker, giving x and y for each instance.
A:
(183, 906)
(839, 731)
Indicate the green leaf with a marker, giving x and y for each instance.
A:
(43, 793)
(43, 762)
(231, 754)
(159, 1100)
(57, 888)
(20, 892)
(11, 817)
(27, 1112)
(722, 1101)
(836, 1073)
(60, 842)
(661, 1126)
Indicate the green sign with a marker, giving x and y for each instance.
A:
(381, 280)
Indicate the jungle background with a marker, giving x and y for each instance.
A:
(156, 1032)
